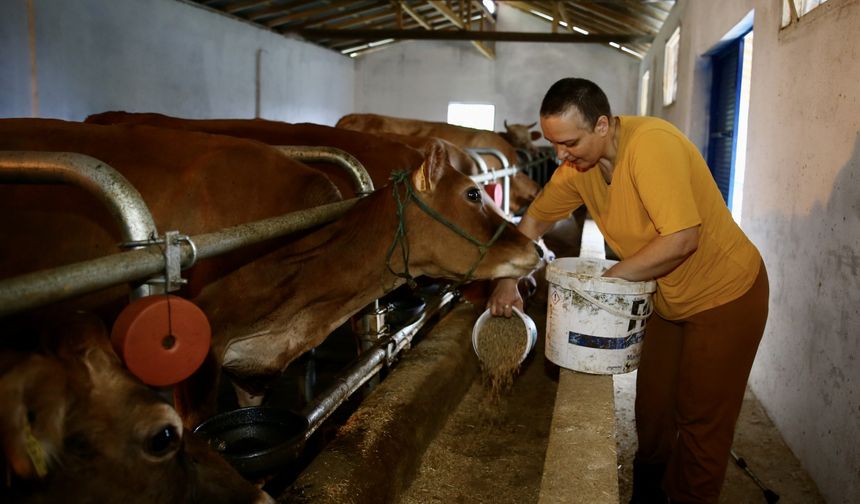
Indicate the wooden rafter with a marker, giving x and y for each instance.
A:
(631, 22)
(414, 15)
(247, 4)
(282, 20)
(456, 21)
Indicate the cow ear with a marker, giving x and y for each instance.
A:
(35, 400)
(426, 177)
(535, 135)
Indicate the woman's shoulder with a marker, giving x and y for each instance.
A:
(637, 127)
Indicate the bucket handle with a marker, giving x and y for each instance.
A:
(613, 311)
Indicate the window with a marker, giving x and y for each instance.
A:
(472, 115)
(643, 93)
(670, 67)
(792, 10)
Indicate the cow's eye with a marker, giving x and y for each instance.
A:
(473, 194)
(163, 441)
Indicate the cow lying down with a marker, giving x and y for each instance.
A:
(75, 426)
(267, 305)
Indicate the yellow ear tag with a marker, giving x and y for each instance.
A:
(421, 184)
(35, 452)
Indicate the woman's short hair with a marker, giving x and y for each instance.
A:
(583, 94)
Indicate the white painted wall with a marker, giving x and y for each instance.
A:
(801, 208)
(163, 56)
(417, 79)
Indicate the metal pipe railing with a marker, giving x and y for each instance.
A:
(361, 179)
(482, 165)
(506, 181)
(367, 365)
(48, 286)
(123, 201)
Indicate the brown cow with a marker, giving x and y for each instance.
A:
(365, 147)
(77, 427)
(277, 306)
(520, 136)
(523, 189)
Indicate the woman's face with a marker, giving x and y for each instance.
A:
(575, 142)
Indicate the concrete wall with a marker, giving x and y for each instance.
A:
(163, 56)
(417, 79)
(801, 208)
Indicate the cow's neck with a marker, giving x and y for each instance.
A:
(301, 298)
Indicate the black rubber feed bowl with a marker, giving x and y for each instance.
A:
(257, 441)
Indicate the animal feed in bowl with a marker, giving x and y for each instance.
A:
(501, 344)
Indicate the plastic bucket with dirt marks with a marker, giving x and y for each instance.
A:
(594, 324)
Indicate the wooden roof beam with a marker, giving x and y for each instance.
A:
(471, 35)
(489, 17)
(456, 21)
(414, 15)
(235, 7)
(307, 13)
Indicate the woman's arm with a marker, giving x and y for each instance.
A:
(657, 258)
(505, 293)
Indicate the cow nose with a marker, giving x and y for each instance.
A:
(539, 250)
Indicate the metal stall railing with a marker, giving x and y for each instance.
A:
(311, 154)
(505, 173)
(126, 205)
(122, 200)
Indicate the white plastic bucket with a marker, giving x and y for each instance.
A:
(594, 324)
(529, 331)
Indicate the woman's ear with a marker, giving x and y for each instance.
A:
(602, 125)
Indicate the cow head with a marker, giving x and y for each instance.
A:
(455, 230)
(521, 136)
(76, 426)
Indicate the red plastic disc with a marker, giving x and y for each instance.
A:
(162, 339)
(495, 192)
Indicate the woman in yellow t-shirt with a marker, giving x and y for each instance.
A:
(651, 194)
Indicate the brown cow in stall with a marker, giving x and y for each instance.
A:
(520, 136)
(276, 306)
(523, 189)
(77, 427)
(365, 147)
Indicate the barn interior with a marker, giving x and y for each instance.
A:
(765, 89)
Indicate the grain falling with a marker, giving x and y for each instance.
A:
(501, 343)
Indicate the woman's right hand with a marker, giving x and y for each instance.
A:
(505, 295)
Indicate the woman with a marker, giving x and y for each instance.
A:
(653, 198)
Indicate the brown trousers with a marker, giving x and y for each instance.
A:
(689, 390)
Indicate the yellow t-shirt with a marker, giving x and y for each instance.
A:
(660, 185)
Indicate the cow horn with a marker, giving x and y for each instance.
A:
(506, 124)
(532, 125)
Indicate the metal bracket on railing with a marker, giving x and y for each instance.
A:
(172, 241)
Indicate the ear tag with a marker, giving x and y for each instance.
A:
(34, 451)
(421, 184)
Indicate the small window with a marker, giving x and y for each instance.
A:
(792, 10)
(670, 67)
(643, 93)
(472, 115)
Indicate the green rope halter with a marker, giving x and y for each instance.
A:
(402, 177)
